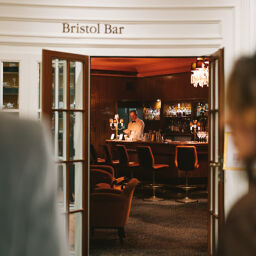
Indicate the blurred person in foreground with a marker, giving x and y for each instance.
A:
(29, 223)
(239, 236)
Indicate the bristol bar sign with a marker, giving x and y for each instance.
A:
(98, 28)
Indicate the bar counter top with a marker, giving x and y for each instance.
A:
(164, 153)
(196, 143)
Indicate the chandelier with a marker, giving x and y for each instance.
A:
(200, 73)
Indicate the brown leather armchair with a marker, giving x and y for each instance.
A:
(106, 168)
(110, 208)
(100, 178)
(103, 176)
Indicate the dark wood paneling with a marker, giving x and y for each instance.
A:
(106, 91)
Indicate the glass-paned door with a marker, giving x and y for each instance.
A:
(65, 80)
(216, 138)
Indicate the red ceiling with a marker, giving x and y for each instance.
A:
(143, 66)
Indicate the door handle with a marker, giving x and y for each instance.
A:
(215, 164)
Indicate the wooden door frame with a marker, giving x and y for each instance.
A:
(47, 110)
(217, 56)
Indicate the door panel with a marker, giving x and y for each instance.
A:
(65, 96)
(216, 135)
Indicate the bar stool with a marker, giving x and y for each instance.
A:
(94, 159)
(108, 155)
(109, 158)
(147, 162)
(186, 160)
(124, 163)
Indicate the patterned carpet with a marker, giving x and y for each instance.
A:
(162, 228)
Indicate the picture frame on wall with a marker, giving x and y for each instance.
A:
(230, 158)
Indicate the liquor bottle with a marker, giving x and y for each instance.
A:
(198, 109)
(202, 111)
(178, 110)
(182, 110)
(198, 126)
(172, 126)
(191, 126)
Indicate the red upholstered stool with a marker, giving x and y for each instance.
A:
(125, 165)
(147, 162)
(94, 159)
(186, 160)
(109, 158)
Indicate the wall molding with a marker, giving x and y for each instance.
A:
(120, 5)
(175, 38)
(119, 20)
(113, 44)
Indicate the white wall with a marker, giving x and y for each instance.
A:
(152, 28)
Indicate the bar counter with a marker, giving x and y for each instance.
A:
(164, 153)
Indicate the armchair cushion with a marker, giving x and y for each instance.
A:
(110, 208)
(106, 168)
(99, 176)
(107, 190)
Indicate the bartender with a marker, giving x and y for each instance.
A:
(135, 127)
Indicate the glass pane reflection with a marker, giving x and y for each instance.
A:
(59, 134)
(59, 83)
(75, 185)
(76, 135)
(76, 85)
(61, 186)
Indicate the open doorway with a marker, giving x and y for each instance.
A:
(65, 98)
(175, 112)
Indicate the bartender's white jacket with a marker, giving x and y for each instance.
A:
(135, 129)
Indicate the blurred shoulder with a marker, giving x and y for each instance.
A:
(21, 133)
(244, 210)
(239, 232)
(13, 124)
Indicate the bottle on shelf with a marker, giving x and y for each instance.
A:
(198, 126)
(178, 111)
(153, 136)
(191, 126)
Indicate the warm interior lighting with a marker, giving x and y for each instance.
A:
(200, 73)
